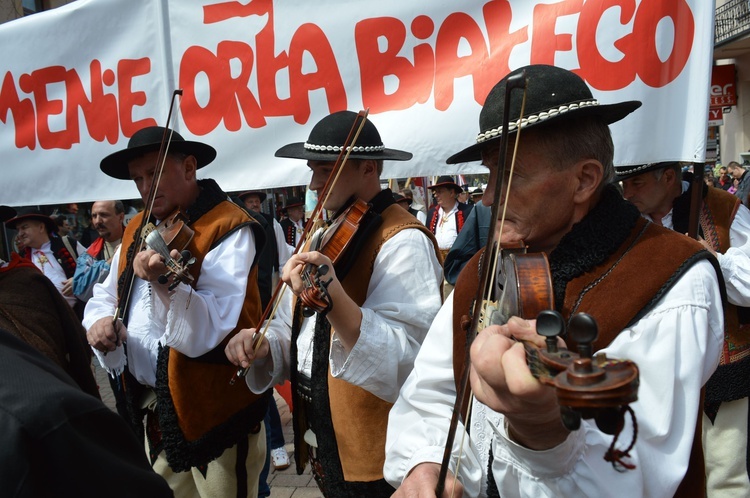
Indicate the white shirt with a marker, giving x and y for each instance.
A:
(735, 263)
(191, 320)
(402, 298)
(446, 230)
(676, 347)
(285, 250)
(44, 259)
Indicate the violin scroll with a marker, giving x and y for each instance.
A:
(181, 235)
(587, 386)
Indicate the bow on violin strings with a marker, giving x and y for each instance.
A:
(315, 295)
(172, 233)
(515, 283)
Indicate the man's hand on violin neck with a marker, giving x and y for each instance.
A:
(149, 265)
(241, 348)
(501, 379)
(422, 482)
(102, 335)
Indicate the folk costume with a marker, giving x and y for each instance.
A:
(53, 258)
(681, 323)
(291, 229)
(175, 370)
(342, 399)
(724, 223)
(92, 267)
(446, 225)
(667, 320)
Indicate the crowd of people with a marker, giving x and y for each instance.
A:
(202, 303)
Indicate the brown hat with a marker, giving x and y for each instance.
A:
(446, 181)
(259, 193)
(49, 223)
(293, 202)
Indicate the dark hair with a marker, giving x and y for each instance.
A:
(571, 140)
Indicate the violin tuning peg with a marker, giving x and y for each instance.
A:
(185, 255)
(584, 331)
(322, 270)
(550, 324)
(163, 279)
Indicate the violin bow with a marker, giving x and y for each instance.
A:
(310, 226)
(462, 404)
(161, 158)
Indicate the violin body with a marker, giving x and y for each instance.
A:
(172, 234)
(334, 243)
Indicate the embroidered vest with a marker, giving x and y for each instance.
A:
(621, 275)
(352, 443)
(200, 413)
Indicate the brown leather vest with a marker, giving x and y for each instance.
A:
(359, 418)
(196, 401)
(617, 293)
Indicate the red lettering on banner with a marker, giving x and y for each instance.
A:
(639, 47)
(127, 69)
(103, 112)
(545, 42)
(402, 63)
(449, 65)
(22, 111)
(414, 80)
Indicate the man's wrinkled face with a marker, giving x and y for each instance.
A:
(646, 191)
(106, 221)
(445, 197)
(540, 203)
(175, 184)
(32, 233)
(252, 202)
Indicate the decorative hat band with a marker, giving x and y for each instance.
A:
(534, 118)
(338, 148)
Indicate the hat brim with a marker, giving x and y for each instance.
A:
(449, 185)
(116, 164)
(6, 213)
(626, 172)
(298, 204)
(298, 151)
(48, 222)
(611, 113)
(262, 195)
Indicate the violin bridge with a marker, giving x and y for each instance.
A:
(490, 315)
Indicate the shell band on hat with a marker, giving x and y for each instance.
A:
(339, 148)
(534, 118)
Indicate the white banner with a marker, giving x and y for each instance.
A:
(77, 81)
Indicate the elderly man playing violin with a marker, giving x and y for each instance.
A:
(203, 435)
(348, 358)
(667, 320)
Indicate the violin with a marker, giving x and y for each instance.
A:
(172, 234)
(318, 297)
(515, 283)
(335, 241)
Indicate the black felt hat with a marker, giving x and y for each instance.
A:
(446, 181)
(328, 136)
(400, 198)
(6, 213)
(625, 172)
(259, 193)
(293, 202)
(32, 214)
(148, 140)
(477, 191)
(552, 94)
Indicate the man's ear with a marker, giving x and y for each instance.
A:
(589, 174)
(191, 166)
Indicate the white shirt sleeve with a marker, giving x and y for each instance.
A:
(735, 263)
(419, 420)
(284, 249)
(676, 347)
(200, 318)
(402, 298)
